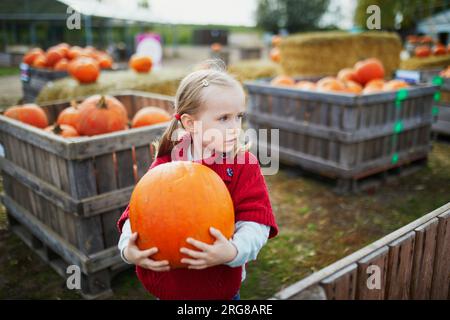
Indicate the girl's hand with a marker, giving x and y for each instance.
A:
(141, 257)
(222, 251)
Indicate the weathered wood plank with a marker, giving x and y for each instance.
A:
(441, 271)
(423, 260)
(401, 253)
(342, 284)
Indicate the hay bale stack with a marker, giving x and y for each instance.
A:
(163, 81)
(254, 69)
(322, 53)
(416, 63)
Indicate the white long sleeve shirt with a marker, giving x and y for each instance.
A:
(249, 237)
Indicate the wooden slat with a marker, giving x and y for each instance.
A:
(423, 260)
(401, 254)
(125, 175)
(143, 160)
(342, 284)
(441, 273)
(377, 258)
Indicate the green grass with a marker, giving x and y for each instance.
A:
(9, 71)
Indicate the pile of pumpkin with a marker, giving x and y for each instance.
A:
(97, 114)
(83, 64)
(425, 46)
(367, 76)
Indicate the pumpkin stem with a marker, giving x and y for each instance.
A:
(102, 103)
(57, 129)
(74, 104)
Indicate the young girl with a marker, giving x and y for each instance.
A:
(209, 106)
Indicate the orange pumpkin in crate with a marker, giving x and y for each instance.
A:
(422, 51)
(40, 61)
(31, 55)
(330, 84)
(177, 200)
(61, 65)
(84, 70)
(53, 55)
(282, 80)
(104, 61)
(70, 115)
(101, 114)
(63, 130)
(141, 64)
(30, 113)
(305, 85)
(395, 85)
(369, 69)
(275, 54)
(149, 116)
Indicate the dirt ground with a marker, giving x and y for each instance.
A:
(317, 227)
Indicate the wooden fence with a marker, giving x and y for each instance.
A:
(412, 262)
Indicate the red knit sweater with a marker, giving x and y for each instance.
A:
(248, 191)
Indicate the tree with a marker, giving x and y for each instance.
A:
(410, 11)
(294, 15)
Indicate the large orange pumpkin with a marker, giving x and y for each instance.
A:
(148, 116)
(70, 115)
(369, 69)
(141, 64)
(177, 200)
(84, 69)
(63, 130)
(28, 113)
(101, 114)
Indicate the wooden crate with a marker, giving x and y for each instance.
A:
(414, 263)
(33, 80)
(441, 108)
(64, 196)
(343, 136)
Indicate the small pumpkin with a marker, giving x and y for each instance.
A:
(422, 51)
(347, 74)
(369, 69)
(61, 65)
(104, 61)
(84, 70)
(439, 49)
(330, 84)
(63, 130)
(305, 85)
(31, 55)
(352, 87)
(216, 47)
(141, 64)
(40, 62)
(276, 40)
(374, 86)
(282, 80)
(70, 115)
(395, 85)
(101, 114)
(164, 223)
(74, 52)
(30, 113)
(149, 116)
(53, 55)
(275, 54)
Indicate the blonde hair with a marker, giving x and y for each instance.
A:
(189, 99)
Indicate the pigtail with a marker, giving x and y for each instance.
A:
(167, 141)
